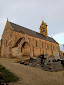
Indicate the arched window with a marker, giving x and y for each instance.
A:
(36, 43)
(47, 46)
(42, 44)
(29, 39)
(51, 46)
(6, 42)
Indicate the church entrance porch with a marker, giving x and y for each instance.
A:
(25, 49)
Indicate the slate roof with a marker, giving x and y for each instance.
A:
(27, 31)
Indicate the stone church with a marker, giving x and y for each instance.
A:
(18, 41)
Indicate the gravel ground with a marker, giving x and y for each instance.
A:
(32, 76)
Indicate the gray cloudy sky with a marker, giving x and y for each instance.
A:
(30, 13)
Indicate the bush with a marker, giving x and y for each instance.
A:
(7, 75)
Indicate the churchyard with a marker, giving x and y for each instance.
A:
(6, 76)
(31, 75)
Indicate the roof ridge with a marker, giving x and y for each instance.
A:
(25, 28)
(30, 32)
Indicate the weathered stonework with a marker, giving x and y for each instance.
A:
(28, 46)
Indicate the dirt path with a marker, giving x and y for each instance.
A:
(32, 76)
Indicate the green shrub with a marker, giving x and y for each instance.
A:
(7, 75)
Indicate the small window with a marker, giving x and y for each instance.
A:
(42, 44)
(42, 24)
(47, 46)
(51, 46)
(43, 52)
(44, 29)
(36, 43)
(29, 39)
(6, 42)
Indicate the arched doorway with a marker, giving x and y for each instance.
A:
(25, 49)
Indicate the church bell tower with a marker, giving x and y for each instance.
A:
(43, 29)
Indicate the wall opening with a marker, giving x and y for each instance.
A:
(25, 49)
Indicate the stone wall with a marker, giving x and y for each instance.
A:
(41, 47)
(15, 52)
(6, 40)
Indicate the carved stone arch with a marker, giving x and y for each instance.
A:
(25, 49)
(25, 44)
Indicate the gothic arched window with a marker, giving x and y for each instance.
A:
(36, 43)
(47, 46)
(42, 44)
(6, 42)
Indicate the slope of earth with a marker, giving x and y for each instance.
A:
(32, 76)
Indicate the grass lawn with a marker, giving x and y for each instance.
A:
(8, 76)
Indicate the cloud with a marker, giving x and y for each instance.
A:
(2, 25)
(61, 47)
(59, 38)
(29, 13)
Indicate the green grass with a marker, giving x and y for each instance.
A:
(8, 76)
